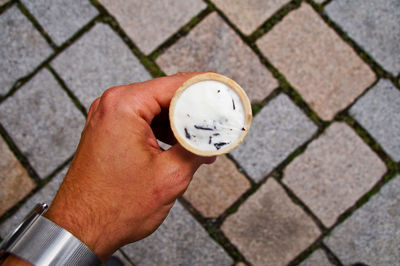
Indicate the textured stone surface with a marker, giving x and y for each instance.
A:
(180, 240)
(334, 172)
(59, 18)
(43, 122)
(150, 23)
(316, 61)
(2, 2)
(277, 130)
(317, 258)
(15, 183)
(269, 229)
(371, 235)
(97, 61)
(378, 32)
(213, 45)
(22, 48)
(215, 187)
(46, 195)
(249, 15)
(118, 254)
(378, 111)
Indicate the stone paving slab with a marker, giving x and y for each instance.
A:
(327, 72)
(180, 240)
(15, 182)
(59, 18)
(22, 48)
(374, 25)
(277, 130)
(378, 111)
(335, 171)
(150, 23)
(43, 122)
(213, 45)
(269, 229)
(96, 62)
(371, 235)
(317, 258)
(249, 15)
(215, 187)
(45, 195)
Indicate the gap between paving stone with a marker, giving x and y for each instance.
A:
(74, 99)
(39, 185)
(36, 24)
(107, 18)
(377, 68)
(21, 81)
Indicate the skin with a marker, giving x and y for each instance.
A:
(121, 185)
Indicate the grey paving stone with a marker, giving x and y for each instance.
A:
(213, 45)
(59, 18)
(180, 240)
(22, 48)
(248, 15)
(371, 234)
(269, 229)
(2, 2)
(15, 183)
(277, 130)
(335, 171)
(43, 122)
(44, 195)
(317, 258)
(325, 70)
(378, 111)
(97, 61)
(374, 25)
(150, 23)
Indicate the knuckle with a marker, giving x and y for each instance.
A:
(110, 98)
(94, 103)
(110, 94)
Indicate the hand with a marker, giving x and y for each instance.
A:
(121, 185)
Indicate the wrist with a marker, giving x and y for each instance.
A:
(86, 232)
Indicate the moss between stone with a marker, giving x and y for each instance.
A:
(70, 94)
(6, 6)
(274, 19)
(183, 31)
(36, 24)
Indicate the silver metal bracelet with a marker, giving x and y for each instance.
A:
(42, 242)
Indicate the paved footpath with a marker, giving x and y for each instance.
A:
(316, 182)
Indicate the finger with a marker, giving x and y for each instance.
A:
(151, 97)
(178, 158)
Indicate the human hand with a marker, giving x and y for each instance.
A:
(121, 185)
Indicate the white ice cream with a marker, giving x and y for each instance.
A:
(209, 115)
